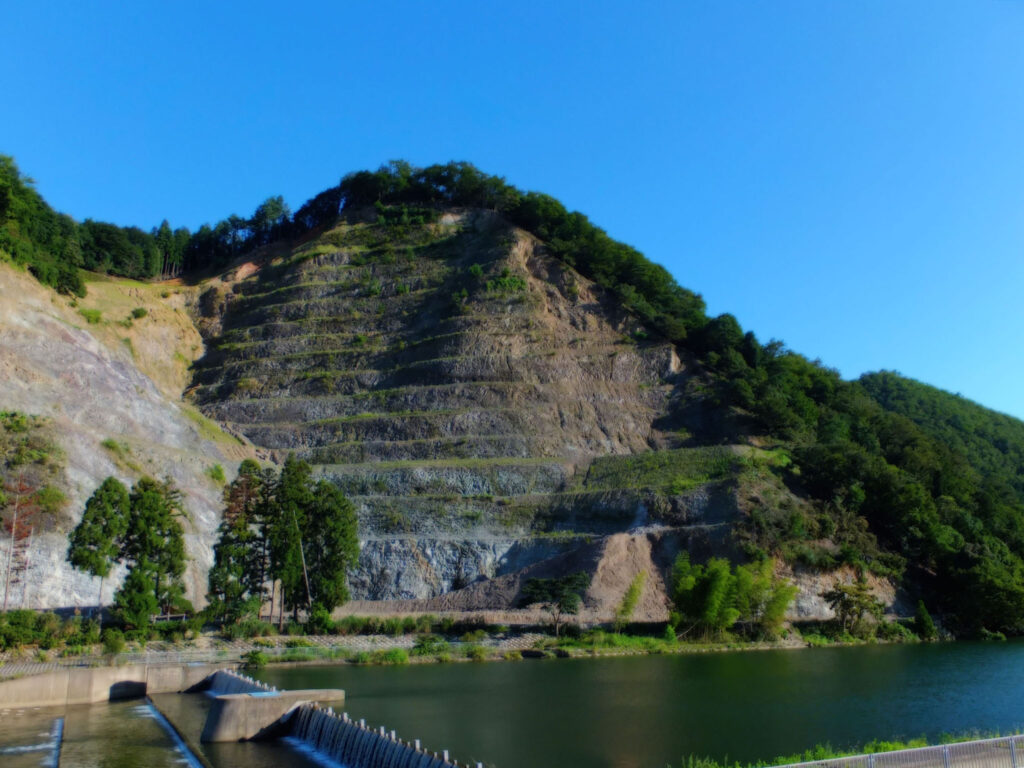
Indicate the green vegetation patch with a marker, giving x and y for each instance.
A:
(675, 471)
(31, 473)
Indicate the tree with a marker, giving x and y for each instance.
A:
(332, 544)
(135, 602)
(293, 499)
(287, 529)
(923, 624)
(237, 578)
(852, 603)
(559, 596)
(95, 543)
(713, 597)
(154, 545)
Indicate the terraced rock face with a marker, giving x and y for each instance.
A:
(456, 382)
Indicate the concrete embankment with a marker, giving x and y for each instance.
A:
(244, 708)
(89, 685)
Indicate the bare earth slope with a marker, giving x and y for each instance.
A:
(52, 365)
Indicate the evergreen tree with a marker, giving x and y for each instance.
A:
(154, 544)
(332, 545)
(236, 580)
(95, 543)
(923, 624)
(293, 499)
(559, 596)
(135, 602)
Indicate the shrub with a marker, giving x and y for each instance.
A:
(392, 627)
(248, 628)
(139, 312)
(513, 656)
(298, 642)
(350, 625)
(476, 652)
(474, 636)
(216, 473)
(923, 624)
(113, 641)
(363, 657)
(989, 636)
(92, 316)
(428, 645)
(390, 656)
(319, 622)
(254, 660)
(895, 632)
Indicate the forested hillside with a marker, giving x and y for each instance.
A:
(893, 476)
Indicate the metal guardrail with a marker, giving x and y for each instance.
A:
(1002, 752)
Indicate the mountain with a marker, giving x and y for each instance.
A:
(504, 390)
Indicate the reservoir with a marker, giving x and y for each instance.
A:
(652, 710)
(630, 712)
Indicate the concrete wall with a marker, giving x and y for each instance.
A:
(87, 685)
(243, 716)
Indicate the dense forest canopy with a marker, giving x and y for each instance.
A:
(908, 481)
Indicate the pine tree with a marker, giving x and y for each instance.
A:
(95, 543)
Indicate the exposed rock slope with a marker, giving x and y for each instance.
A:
(457, 383)
(52, 365)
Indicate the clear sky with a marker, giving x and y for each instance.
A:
(845, 176)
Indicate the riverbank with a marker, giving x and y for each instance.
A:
(379, 649)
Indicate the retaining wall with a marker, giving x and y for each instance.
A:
(88, 685)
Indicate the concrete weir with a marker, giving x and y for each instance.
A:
(244, 709)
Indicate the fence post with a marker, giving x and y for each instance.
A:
(945, 756)
(1013, 753)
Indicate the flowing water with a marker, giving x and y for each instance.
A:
(642, 712)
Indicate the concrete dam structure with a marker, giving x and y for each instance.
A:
(246, 709)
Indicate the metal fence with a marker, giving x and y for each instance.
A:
(1004, 752)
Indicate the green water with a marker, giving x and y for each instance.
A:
(643, 712)
(650, 711)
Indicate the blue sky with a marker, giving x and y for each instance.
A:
(845, 176)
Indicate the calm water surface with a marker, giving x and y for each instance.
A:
(649, 711)
(645, 712)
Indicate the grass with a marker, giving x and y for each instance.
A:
(828, 752)
(92, 316)
(675, 471)
(208, 428)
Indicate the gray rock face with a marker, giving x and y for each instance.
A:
(459, 426)
(50, 367)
